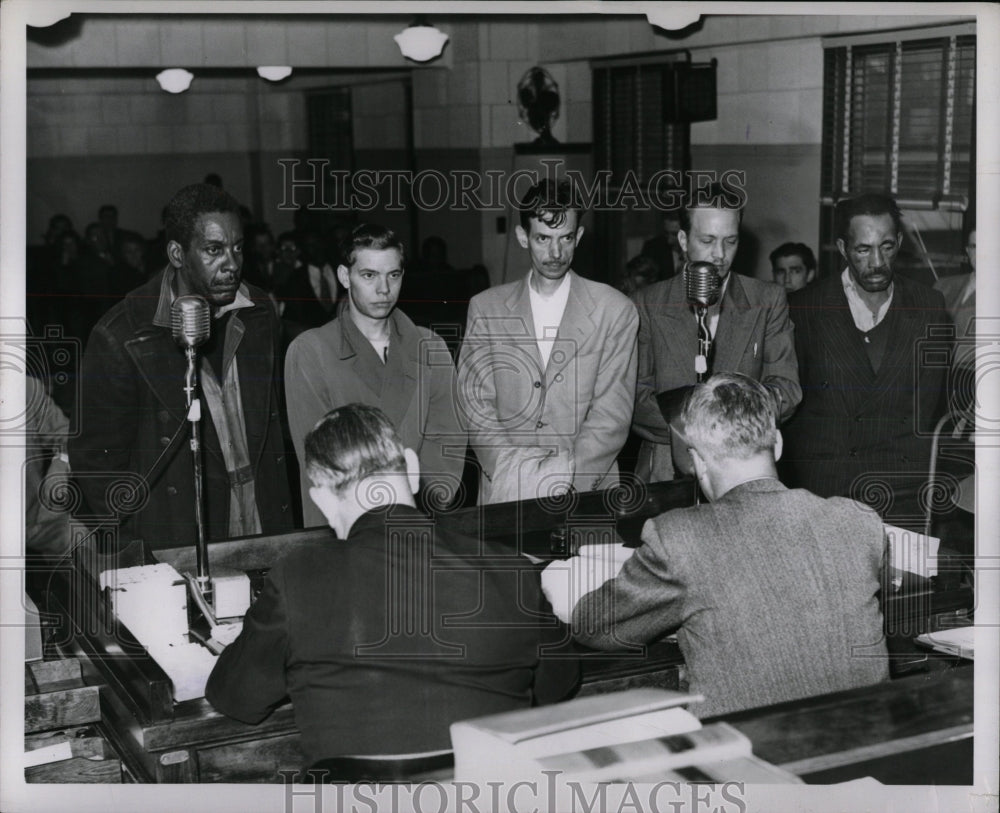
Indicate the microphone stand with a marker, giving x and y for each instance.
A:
(203, 579)
(701, 365)
(704, 344)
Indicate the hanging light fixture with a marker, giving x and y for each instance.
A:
(274, 73)
(672, 17)
(421, 42)
(175, 80)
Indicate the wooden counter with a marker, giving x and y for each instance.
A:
(163, 741)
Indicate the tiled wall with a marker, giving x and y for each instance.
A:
(216, 41)
(464, 110)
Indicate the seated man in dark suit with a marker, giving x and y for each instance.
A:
(385, 636)
(773, 592)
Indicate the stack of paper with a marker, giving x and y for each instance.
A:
(959, 641)
(151, 601)
(634, 735)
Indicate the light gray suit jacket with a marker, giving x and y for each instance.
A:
(579, 406)
(772, 592)
(754, 337)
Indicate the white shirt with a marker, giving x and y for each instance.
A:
(864, 318)
(716, 309)
(381, 349)
(547, 313)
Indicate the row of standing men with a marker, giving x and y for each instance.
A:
(553, 372)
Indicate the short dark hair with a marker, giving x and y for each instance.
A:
(189, 204)
(714, 197)
(107, 207)
(351, 443)
(731, 416)
(370, 236)
(549, 201)
(800, 250)
(872, 204)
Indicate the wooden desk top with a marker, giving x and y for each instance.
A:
(908, 731)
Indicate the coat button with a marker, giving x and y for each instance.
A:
(538, 384)
(171, 491)
(163, 415)
(558, 377)
(853, 453)
(825, 385)
(539, 425)
(165, 441)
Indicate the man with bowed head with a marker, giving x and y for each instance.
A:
(388, 633)
(773, 593)
(863, 338)
(750, 328)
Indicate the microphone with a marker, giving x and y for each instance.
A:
(703, 284)
(703, 288)
(190, 321)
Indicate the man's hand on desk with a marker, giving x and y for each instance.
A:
(566, 581)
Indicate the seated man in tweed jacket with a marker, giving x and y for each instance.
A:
(773, 592)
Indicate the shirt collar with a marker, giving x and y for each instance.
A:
(562, 290)
(864, 318)
(167, 296)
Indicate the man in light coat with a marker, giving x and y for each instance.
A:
(546, 375)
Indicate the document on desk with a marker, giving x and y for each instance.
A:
(959, 641)
(912, 551)
(566, 581)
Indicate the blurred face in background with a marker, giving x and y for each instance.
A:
(970, 249)
(133, 255)
(791, 272)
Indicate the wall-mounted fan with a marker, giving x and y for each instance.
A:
(538, 103)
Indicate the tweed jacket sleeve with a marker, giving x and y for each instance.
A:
(644, 602)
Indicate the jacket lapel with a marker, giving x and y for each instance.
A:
(257, 371)
(575, 326)
(675, 327)
(737, 322)
(353, 351)
(842, 340)
(401, 368)
(521, 325)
